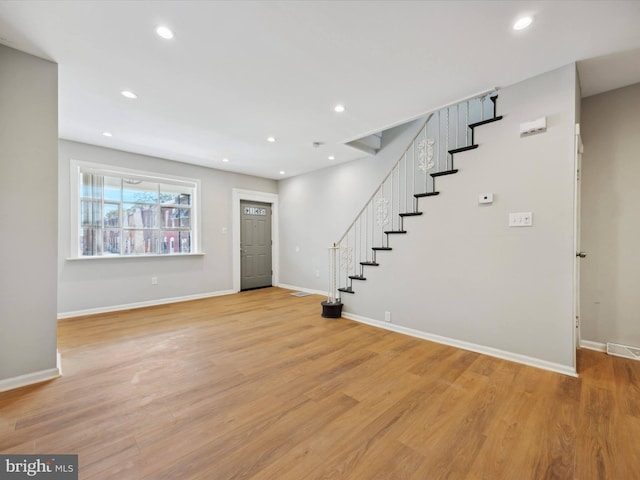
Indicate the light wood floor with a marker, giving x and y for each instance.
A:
(259, 386)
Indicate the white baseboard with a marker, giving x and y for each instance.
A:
(150, 303)
(302, 289)
(597, 346)
(29, 379)
(493, 352)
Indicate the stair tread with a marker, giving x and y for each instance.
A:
(394, 231)
(410, 214)
(426, 194)
(371, 264)
(445, 172)
(463, 149)
(346, 290)
(381, 248)
(484, 122)
(357, 277)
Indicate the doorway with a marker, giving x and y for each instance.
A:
(255, 245)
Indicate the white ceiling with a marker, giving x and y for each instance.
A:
(239, 71)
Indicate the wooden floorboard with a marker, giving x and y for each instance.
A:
(258, 386)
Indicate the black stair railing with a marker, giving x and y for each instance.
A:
(447, 131)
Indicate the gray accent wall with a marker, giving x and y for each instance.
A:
(461, 272)
(610, 274)
(105, 283)
(29, 198)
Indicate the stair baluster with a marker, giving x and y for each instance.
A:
(396, 197)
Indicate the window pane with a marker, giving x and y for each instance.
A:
(90, 213)
(90, 242)
(139, 215)
(175, 194)
(170, 242)
(185, 217)
(170, 217)
(113, 189)
(185, 241)
(91, 185)
(111, 241)
(137, 191)
(111, 215)
(140, 242)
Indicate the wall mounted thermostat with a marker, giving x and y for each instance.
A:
(485, 198)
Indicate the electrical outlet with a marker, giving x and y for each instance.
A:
(317, 273)
(387, 317)
(154, 280)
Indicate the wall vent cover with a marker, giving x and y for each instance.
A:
(625, 351)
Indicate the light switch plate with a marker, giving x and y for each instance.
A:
(521, 219)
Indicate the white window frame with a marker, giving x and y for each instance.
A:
(78, 166)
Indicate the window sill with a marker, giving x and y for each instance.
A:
(120, 257)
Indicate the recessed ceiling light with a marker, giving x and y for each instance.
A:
(128, 94)
(164, 32)
(225, 159)
(281, 172)
(331, 157)
(522, 23)
(271, 139)
(107, 134)
(339, 108)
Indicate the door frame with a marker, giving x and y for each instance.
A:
(577, 179)
(253, 196)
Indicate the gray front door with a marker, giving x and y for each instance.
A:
(255, 245)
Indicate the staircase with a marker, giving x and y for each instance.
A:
(430, 155)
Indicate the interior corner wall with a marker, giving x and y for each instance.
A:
(316, 208)
(92, 285)
(29, 196)
(610, 224)
(461, 272)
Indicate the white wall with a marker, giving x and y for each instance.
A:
(461, 272)
(29, 196)
(101, 284)
(610, 220)
(317, 208)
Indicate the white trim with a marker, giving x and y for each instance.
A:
(596, 346)
(493, 352)
(301, 289)
(150, 303)
(253, 196)
(29, 379)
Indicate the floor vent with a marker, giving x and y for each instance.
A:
(300, 294)
(625, 351)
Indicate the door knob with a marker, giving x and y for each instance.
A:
(581, 254)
